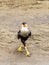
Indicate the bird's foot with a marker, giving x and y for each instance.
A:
(28, 53)
(19, 49)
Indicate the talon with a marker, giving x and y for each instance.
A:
(19, 49)
(28, 54)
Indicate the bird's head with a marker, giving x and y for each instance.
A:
(25, 24)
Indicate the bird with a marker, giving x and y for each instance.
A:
(23, 34)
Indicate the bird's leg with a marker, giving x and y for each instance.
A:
(20, 48)
(27, 52)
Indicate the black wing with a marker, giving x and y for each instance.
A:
(18, 35)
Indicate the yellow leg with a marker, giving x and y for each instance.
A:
(20, 48)
(28, 53)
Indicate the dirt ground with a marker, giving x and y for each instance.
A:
(37, 17)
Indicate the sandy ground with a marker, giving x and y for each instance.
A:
(37, 17)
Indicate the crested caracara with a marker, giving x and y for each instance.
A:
(24, 33)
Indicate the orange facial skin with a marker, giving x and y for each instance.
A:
(25, 24)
